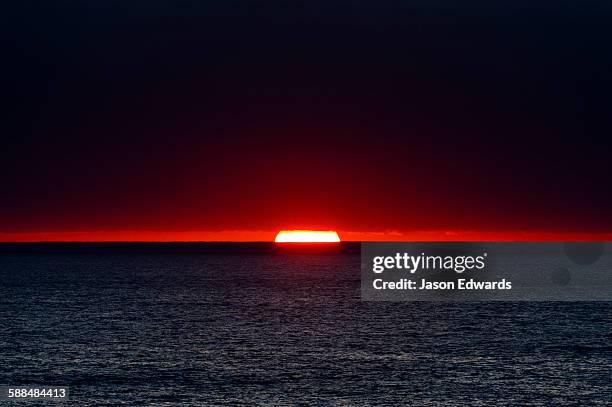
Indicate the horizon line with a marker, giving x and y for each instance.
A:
(268, 236)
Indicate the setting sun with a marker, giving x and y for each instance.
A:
(307, 236)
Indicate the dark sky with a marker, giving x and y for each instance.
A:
(259, 115)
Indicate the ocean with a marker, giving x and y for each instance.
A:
(249, 324)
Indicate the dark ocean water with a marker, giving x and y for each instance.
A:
(281, 329)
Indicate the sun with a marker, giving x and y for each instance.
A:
(307, 236)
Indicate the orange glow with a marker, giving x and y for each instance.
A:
(307, 236)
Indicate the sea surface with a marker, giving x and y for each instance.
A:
(253, 326)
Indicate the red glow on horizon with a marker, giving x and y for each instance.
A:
(269, 236)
